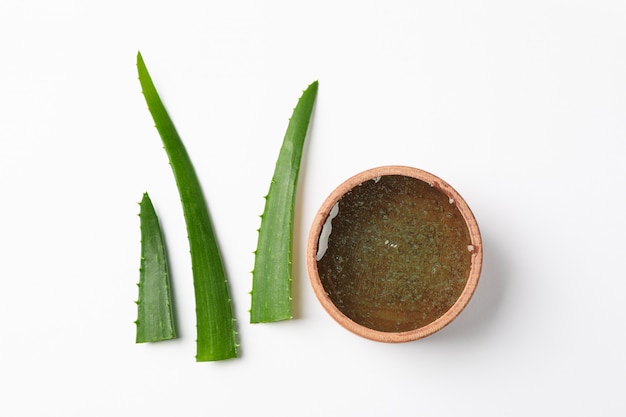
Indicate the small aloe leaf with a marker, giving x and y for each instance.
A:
(154, 307)
(271, 278)
(216, 336)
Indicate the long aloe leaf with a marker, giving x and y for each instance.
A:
(154, 307)
(271, 281)
(216, 336)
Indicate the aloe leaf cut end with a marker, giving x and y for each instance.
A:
(154, 306)
(271, 277)
(216, 336)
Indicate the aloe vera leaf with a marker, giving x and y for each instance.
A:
(154, 306)
(216, 336)
(271, 277)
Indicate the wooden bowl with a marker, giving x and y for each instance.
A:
(394, 254)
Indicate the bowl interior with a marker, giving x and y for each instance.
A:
(393, 253)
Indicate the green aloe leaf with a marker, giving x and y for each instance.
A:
(271, 279)
(216, 336)
(154, 307)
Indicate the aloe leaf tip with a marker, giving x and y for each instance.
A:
(154, 308)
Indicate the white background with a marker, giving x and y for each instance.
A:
(521, 106)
